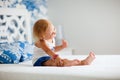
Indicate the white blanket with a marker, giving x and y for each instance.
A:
(104, 67)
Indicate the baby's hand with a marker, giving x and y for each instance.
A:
(59, 61)
(64, 43)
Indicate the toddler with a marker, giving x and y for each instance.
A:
(45, 50)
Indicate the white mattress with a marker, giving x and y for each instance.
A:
(104, 67)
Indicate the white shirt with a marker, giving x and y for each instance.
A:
(39, 52)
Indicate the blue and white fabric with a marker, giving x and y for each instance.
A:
(26, 50)
(13, 53)
(9, 53)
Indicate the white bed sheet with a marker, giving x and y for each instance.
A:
(104, 67)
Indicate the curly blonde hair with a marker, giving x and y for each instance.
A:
(40, 28)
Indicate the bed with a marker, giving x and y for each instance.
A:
(104, 67)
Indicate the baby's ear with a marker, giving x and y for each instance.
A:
(41, 36)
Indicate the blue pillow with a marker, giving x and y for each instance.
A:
(26, 57)
(9, 53)
(26, 50)
(15, 52)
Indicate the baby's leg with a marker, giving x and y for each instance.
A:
(88, 60)
(66, 62)
(74, 62)
(77, 62)
(49, 62)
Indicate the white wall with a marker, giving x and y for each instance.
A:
(88, 24)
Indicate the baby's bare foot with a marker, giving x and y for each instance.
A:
(89, 59)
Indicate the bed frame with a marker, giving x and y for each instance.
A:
(14, 25)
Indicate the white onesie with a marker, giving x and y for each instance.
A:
(39, 52)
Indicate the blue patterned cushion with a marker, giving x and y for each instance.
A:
(9, 53)
(15, 52)
(26, 50)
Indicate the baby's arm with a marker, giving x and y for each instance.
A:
(62, 46)
(45, 47)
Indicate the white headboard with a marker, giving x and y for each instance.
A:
(15, 25)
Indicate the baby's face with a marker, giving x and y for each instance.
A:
(50, 32)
